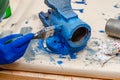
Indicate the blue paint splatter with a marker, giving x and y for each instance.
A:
(62, 56)
(80, 10)
(102, 31)
(73, 55)
(81, 2)
(59, 62)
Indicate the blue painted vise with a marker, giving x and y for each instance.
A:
(70, 33)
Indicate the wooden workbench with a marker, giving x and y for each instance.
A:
(21, 75)
(94, 14)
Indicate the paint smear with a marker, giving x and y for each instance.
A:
(81, 2)
(80, 10)
(60, 62)
(101, 31)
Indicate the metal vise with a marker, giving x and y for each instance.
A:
(70, 33)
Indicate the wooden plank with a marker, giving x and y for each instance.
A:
(18, 75)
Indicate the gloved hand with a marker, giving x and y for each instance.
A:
(11, 51)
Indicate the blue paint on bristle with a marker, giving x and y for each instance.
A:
(59, 62)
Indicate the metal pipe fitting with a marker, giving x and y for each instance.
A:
(113, 28)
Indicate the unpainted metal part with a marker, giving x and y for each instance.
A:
(112, 28)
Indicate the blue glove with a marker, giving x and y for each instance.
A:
(11, 51)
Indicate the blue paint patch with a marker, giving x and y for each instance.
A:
(102, 31)
(61, 55)
(81, 10)
(30, 52)
(73, 55)
(81, 2)
(60, 62)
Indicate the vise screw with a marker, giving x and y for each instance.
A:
(70, 33)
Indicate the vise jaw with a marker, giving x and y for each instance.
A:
(70, 33)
